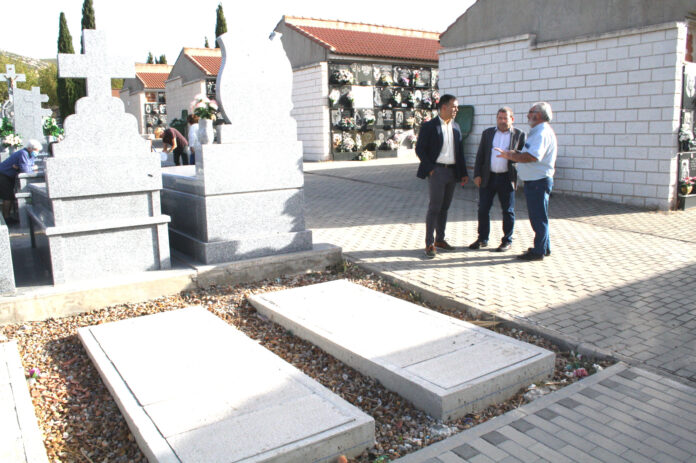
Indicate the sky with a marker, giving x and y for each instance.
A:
(166, 26)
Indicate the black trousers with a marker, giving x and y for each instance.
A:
(441, 185)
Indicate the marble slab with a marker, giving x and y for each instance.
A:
(195, 389)
(445, 366)
(7, 280)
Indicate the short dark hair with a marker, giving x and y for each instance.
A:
(192, 119)
(507, 110)
(444, 99)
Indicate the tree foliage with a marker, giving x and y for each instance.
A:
(207, 45)
(150, 59)
(43, 76)
(220, 23)
(65, 88)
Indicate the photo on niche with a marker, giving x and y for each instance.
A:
(335, 117)
(402, 76)
(163, 109)
(409, 120)
(365, 74)
(385, 119)
(386, 95)
(340, 74)
(426, 99)
(408, 97)
(398, 119)
(417, 98)
(418, 117)
(148, 109)
(434, 78)
(382, 74)
(336, 138)
(397, 100)
(377, 100)
(422, 77)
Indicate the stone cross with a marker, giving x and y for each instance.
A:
(12, 77)
(29, 114)
(95, 65)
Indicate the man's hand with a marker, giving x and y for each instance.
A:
(477, 181)
(507, 154)
(431, 173)
(465, 180)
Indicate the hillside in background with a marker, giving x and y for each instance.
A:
(39, 73)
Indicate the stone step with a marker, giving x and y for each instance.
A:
(446, 367)
(192, 388)
(20, 437)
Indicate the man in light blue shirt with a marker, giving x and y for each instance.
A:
(536, 166)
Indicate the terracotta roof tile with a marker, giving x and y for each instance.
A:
(208, 60)
(152, 79)
(368, 40)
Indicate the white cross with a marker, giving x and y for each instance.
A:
(12, 77)
(95, 65)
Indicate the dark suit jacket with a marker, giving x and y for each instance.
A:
(429, 145)
(482, 167)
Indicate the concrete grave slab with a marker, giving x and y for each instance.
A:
(194, 389)
(445, 366)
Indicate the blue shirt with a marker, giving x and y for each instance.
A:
(20, 158)
(542, 144)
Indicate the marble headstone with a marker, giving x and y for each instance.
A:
(29, 114)
(99, 211)
(245, 197)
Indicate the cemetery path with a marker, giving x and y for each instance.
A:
(621, 280)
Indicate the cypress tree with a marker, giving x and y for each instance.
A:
(206, 43)
(220, 23)
(162, 59)
(150, 59)
(88, 20)
(65, 87)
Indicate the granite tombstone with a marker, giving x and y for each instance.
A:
(98, 213)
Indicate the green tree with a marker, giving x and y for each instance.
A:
(220, 23)
(162, 59)
(88, 19)
(150, 59)
(65, 87)
(207, 45)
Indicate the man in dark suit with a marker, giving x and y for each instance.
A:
(495, 175)
(439, 149)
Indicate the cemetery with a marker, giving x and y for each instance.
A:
(187, 314)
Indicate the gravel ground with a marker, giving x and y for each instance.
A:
(81, 422)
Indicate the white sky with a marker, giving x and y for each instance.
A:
(164, 27)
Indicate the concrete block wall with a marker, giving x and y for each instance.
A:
(616, 100)
(310, 93)
(180, 95)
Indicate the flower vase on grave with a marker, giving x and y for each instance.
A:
(206, 132)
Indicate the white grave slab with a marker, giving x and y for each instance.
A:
(195, 389)
(446, 367)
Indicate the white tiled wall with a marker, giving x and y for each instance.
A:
(615, 98)
(311, 111)
(180, 97)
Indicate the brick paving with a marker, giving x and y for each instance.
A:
(620, 281)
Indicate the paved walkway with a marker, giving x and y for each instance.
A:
(620, 281)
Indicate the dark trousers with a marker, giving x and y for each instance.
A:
(441, 185)
(537, 193)
(180, 155)
(498, 184)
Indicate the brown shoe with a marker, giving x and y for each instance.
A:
(444, 245)
(430, 251)
(478, 244)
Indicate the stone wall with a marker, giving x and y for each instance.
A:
(133, 104)
(179, 97)
(615, 97)
(311, 111)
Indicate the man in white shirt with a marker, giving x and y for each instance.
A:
(536, 164)
(440, 151)
(494, 175)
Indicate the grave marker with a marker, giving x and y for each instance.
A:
(29, 114)
(445, 366)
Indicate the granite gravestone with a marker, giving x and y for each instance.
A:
(10, 77)
(29, 114)
(245, 197)
(98, 213)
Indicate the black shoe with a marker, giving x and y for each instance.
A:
(478, 244)
(503, 247)
(529, 255)
(430, 252)
(547, 253)
(444, 245)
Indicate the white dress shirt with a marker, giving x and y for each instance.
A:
(500, 140)
(447, 152)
